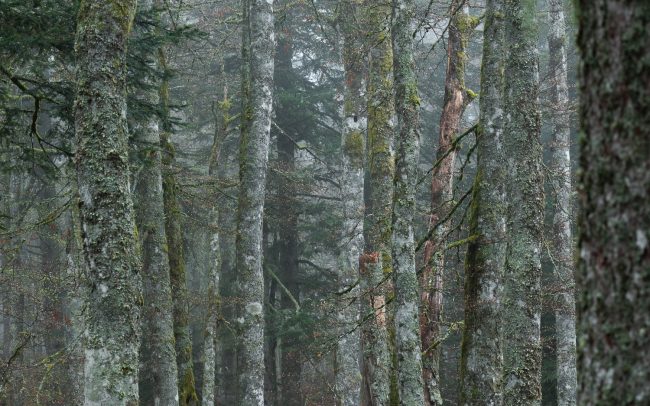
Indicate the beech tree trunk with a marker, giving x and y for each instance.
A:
(614, 266)
(522, 305)
(257, 80)
(376, 263)
(481, 356)
(107, 217)
(560, 180)
(442, 192)
(407, 106)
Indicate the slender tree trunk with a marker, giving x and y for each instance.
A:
(561, 239)
(442, 190)
(107, 216)
(614, 267)
(175, 253)
(481, 356)
(407, 105)
(376, 262)
(158, 370)
(348, 372)
(254, 148)
(522, 350)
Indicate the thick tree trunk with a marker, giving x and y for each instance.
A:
(481, 356)
(254, 147)
(407, 106)
(522, 350)
(560, 180)
(442, 190)
(348, 372)
(107, 216)
(376, 264)
(158, 370)
(614, 267)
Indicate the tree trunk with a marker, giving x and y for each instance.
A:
(107, 216)
(614, 267)
(522, 350)
(442, 192)
(561, 239)
(348, 372)
(407, 106)
(481, 357)
(158, 370)
(376, 264)
(254, 147)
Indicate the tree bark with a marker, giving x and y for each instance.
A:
(254, 147)
(376, 263)
(407, 106)
(106, 208)
(481, 356)
(158, 370)
(442, 192)
(348, 372)
(614, 266)
(522, 350)
(561, 188)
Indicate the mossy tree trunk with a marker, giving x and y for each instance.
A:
(348, 372)
(158, 370)
(258, 49)
(560, 181)
(376, 264)
(442, 192)
(112, 335)
(176, 255)
(522, 306)
(614, 266)
(481, 356)
(407, 106)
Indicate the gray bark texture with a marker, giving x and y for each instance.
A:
(560, 181)
(112, 262)
(348, 370)
(522, 305)
(254, 148)
(376, 263)
(614, 266)
(407, 106)
(158, 370)
(481, 355)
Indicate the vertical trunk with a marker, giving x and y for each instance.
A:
(442, 188)
(522, 350)
(614, 268)
(175, 254)
(348, 378)
(106, 209)
(560, 178)
(254, 147)
(407, 106)
(158, 370)
(481, 357)
(376, 264)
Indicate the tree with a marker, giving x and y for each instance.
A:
(614, 266)
(522, 349)
(457, 97)
(407, 106)
(257, 49)
(376, 263)
(107, 216)
(481, 356)
(561, 238)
